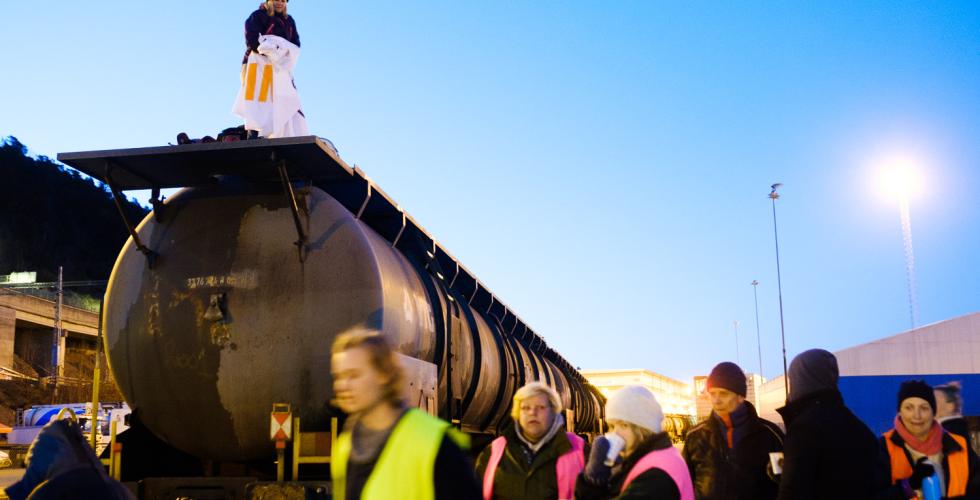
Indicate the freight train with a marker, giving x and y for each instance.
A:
(226, 298)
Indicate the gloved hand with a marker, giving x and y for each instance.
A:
(921, 471)
(596, 470)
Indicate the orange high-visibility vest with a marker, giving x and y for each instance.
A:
(959, 466)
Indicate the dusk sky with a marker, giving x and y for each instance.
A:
(603, 167)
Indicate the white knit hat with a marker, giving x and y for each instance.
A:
(636, 405)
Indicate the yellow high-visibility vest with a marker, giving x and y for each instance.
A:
(406, 466)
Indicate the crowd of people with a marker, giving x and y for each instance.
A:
(389, 451)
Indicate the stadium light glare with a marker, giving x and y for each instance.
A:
(899, 178)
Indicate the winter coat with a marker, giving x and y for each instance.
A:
(63, 465)
(828, 452)
(949, 446)
(515, 478)
(957, 425)
(720, 473)
(653, 483)
(261, 23)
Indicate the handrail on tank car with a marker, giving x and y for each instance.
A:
(287, 187)
(110, 166)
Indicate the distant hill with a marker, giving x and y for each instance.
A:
(53, 216)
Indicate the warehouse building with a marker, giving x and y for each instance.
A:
(938, 353)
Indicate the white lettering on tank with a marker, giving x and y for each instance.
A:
(246, 280)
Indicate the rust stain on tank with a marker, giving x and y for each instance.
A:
(220, 334)
(152, 299)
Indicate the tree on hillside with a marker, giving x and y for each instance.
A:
(50, 216)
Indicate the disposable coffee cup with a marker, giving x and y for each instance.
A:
(776, 460)
(616, 444)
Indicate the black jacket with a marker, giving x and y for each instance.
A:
(828, 453)
(653, 483)
(959, 426)
(261, 23)
(949, 446)
(720, 473)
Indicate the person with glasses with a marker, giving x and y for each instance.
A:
(535, 458)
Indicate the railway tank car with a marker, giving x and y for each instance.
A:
(227, 297)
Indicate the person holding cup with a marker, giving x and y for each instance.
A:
(636, 458)
(533, 459)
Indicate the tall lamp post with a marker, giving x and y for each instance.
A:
(758, 336)
(773, 195)
(900, 179)
(909, 259)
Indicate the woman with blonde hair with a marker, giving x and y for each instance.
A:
(650, 466)
(387, 450)
(533, 459)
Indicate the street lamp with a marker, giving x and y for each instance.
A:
(773, 195)
(758, 336)
(899, 178)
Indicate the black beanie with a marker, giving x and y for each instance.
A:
(728, 375)
(916, 389)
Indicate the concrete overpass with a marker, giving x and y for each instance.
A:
(27, 326)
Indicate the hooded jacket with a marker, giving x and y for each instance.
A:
(62, 465)
(829, 453)
(740, 473)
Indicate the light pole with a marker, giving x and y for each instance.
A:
(738, 357)
(773, 195)
(909, 259)
(758, 336)
(899, 178)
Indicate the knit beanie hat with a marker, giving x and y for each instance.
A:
(636, 405)
(916, 389)
(728, 375)
(812, 371)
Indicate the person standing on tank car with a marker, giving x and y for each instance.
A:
(387, 450)
(534, 458)
(271, 18)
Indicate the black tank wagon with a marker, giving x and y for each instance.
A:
(227, 297)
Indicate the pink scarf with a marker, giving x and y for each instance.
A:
(931, 445)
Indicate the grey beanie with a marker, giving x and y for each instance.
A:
(812, 371)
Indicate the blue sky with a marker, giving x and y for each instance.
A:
(602, 166)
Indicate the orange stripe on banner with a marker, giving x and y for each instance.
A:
(250, 82)
(266, 83)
